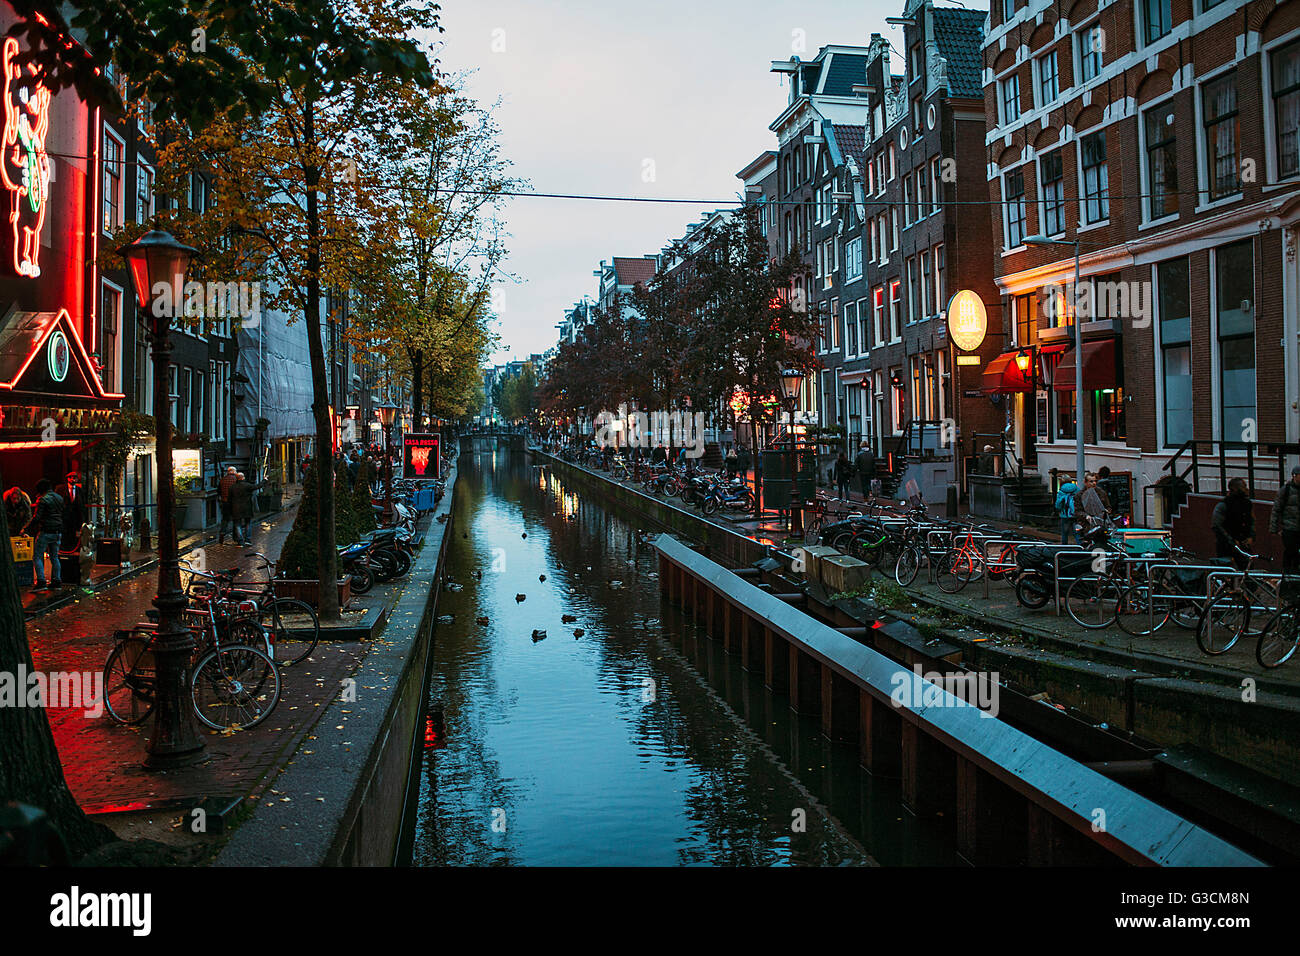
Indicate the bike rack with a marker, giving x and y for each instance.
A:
(1254, 576)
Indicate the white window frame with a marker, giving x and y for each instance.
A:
(1144, 177)
(1006, 94)
(115, 386)
(109, 228)
(1080, 173)
(1203, 202)
(1272, 165)
(1038, 78)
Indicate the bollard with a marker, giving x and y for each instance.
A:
(952, 501)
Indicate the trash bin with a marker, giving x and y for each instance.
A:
(70, 566)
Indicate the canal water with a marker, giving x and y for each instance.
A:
(637, 742)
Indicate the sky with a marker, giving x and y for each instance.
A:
(665, 99)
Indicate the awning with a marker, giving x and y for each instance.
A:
(1003, 375)
(854, 378)
(1098, 367)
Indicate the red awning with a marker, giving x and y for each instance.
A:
(1098, 367)
(1003, 376)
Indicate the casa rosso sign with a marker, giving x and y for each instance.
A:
(968, 320)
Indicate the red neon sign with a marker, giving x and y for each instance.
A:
(24, 164)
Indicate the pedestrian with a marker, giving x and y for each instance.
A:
(241, 509)
(843, 472)
(743, 462)
(1233, 522)
(1103, 483)
(865, 466)
(1285, 520)
(223, 502)
(74, 519)
(1065, 501)
(732, 462)
(47, 524)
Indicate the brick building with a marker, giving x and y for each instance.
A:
(1164, 137)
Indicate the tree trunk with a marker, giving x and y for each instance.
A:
(417, 387)
(320, 407)
(30, 769)
(758, 491)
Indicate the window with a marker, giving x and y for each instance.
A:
(1051, 172)
(895, 310)
(878, 296)
(907, 201)
(1234, 276)
(884, 238)
(853, 259)
(1286, 108)
(927, 284)
(893, 230)
(110, 337)
(835, 325)
(196, 192)
(113, 150)
(1110, 414)
(1048, 79)
(1014, 200)
(1162, 163)
(1011, 98)
(923, 207)
(893, 162)
(850, 328)
(1221, 140)
(940, 283)
(864, 325)
(1096, 180)
(871, 177)
(1174, 290)
(1091, 44)
(875, 251)
(198, 393)
(1156, 19)
(936, 184)
(144, 207)
(1065, 415)
(1008, 10)
(913, 292)
(880, 172)
(1025, 314)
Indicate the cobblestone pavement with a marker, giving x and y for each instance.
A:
(102, 760)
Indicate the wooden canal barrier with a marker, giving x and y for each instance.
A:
(1015, 799)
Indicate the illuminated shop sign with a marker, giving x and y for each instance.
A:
(58, 355)
(24, 164)
(420, 456)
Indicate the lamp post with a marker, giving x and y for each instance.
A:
(791, 381)
(1078, 347)
(387, 413)
(158, 264)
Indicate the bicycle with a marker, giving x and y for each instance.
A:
(293, 625)
(1227, 615)
(233, 685)
(1280, 637)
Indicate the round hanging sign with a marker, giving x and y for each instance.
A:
(968, 321)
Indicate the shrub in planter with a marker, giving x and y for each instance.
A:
(364, 513)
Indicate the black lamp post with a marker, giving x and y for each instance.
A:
(387, 413)
(791, 382)
(158, 264)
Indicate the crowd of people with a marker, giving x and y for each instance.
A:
(54, 519)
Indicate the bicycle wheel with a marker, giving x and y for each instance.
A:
(1136, 616)
(841, 541)
(130, 680)
(1223, 621)
(953, 572)
(709, 505)
(1005, 562)
(1033, 590)
(294, 629)
(1278, 639)
(234, 687)
(1093, 600)
(866, 548)
(907, 565)
(362, 579)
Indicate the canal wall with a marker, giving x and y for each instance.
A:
(344, 796)
(1158, 701)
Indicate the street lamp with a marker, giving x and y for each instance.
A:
(1078, 347)
(158, 264)
(791, 382)
(387, 413)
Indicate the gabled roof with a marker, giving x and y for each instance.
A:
(847, 140)
(37, 346)
(843, 71)
(632, 271)
(959, 35)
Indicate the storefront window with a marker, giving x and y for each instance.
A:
(1110, 414)
(1065, 416)
(1172, 277)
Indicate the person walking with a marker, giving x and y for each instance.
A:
(1233, 522)
(1065, 501)
(843, 471)
(223, 502)
(74, 519)
(865, 466)
(1285, 520)
(47, 524)
(732, 461)
(743, 462)
(241, 509)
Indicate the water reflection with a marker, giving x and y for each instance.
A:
(638, 743)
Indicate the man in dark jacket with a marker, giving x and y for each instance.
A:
(47, 525)
(865, 465)
(1285, 520)
(241, 508)
(1234, 521)
(74, 519)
